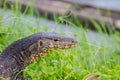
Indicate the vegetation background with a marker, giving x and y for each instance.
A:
(99, 54)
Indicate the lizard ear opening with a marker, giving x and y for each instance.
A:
(41, 43)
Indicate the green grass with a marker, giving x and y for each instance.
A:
(72, 64)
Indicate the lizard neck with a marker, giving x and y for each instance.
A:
(32, 54)
(23, 51)
(27, 54)
(18, 58)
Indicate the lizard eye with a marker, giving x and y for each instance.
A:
(56, 40)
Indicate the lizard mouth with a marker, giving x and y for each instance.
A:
(69, 44)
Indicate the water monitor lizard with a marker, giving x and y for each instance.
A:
(21, 53)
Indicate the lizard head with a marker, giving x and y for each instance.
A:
(44, 42)
(52, 41)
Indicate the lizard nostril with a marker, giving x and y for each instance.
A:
(72, 41)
